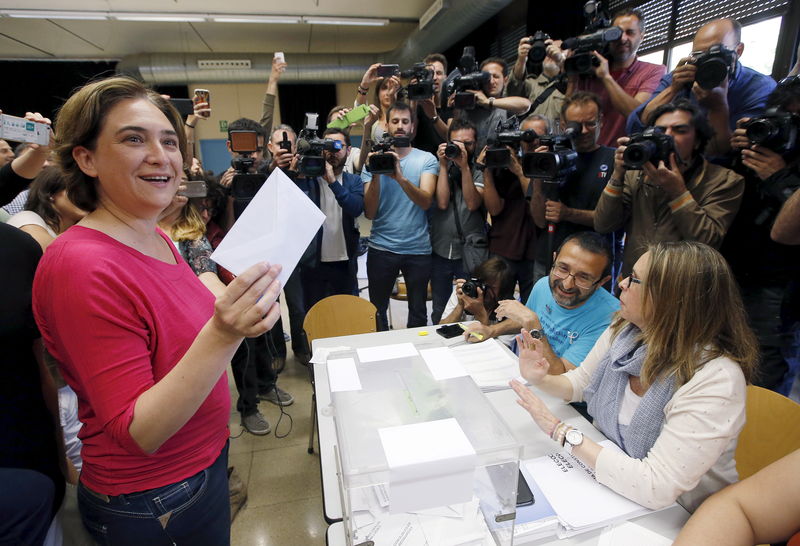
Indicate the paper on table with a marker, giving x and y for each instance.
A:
(430, 464)
(442, 363)
(631, 534)
(386, 352)
(321, 353)
(276, 227)
(575, 495)
(342, 375)
(488, 364)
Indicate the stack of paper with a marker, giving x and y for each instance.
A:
(489, 364)
(580, 503)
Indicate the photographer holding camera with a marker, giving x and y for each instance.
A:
(667, 190)
(397, 202)
(432, 117)
(477, 298)
(491, 104)
(458, 216)
(543, 90)
(622, 81)
(770, 162)
(340, 196)
(573, 210)
(713, 78)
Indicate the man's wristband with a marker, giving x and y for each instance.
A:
(434, 119)
(491, 102)
(192, 126)
(363, 90)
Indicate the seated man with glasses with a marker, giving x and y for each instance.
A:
(567, 310)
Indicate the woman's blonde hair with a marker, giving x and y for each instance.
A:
(189, 226)
(694, 313)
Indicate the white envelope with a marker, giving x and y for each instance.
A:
(276, 227)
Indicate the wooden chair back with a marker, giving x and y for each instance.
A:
(771, 432)
(341, 315)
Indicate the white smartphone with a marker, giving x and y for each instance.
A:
(279, 56)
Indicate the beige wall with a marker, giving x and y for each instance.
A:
(236, 100)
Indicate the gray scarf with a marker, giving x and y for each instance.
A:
(607, 389)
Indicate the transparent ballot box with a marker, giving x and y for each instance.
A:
(421, 461)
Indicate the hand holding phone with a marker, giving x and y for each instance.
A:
(202, 97)
(388, 70)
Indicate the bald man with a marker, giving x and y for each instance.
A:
(743, 93)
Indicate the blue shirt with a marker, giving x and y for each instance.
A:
(747, 96)
(572, 333)
(400, 226)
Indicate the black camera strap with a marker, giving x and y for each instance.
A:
(543, 96)
(455, 204)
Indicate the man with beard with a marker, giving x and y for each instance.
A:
(457, 214)
(622, 82)
(397, 204)
(340, 196)
(567, 310)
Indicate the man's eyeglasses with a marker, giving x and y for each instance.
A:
(582, 280)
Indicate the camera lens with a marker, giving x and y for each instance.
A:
(470, 289)
(451, 151)
(760, 131)
(711, 73)
(638, 153)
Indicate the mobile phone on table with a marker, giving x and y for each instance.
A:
(388, 70)
(524, 494)
(203, 95)
(450, 330)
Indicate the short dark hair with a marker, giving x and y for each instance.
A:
(402, 106)
(701, 126)
(436, 57)
(497, 60)
(459, 124)
(496, 268)
(625, 12)
(593, 242)
(581, 97)
(247, 124)
(335, 131)
(282, 127)
(539, 117)
(43, 189)
(81, 119)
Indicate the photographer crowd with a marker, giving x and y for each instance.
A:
(590, 199)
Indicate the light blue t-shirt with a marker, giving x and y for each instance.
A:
(572, 332)
(400, 226)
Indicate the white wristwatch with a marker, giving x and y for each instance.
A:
(573, 439)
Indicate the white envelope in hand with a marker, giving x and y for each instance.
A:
(276, 227)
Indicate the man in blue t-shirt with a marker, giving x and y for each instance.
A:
(568, 309)
(397, 204)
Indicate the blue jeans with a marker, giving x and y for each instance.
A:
(443, 271)
(382, 270)
(194, 511)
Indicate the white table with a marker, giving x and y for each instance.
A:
(535, 443)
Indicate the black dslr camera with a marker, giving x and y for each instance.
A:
(244, 184)
(537, 52)
(422, 87)
(776, 130)
(558, 162)
(470, 288)
(382, 162)
(650, 145)
(452, 151)
(311, 161)
(713, 66)
(582, 60)
(469, 78)
(507, 134)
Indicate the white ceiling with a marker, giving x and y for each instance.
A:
(111, 39)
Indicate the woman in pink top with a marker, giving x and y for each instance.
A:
(140, 340)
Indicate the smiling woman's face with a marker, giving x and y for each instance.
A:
(136, 159)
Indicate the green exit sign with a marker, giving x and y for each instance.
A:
(223, 126)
